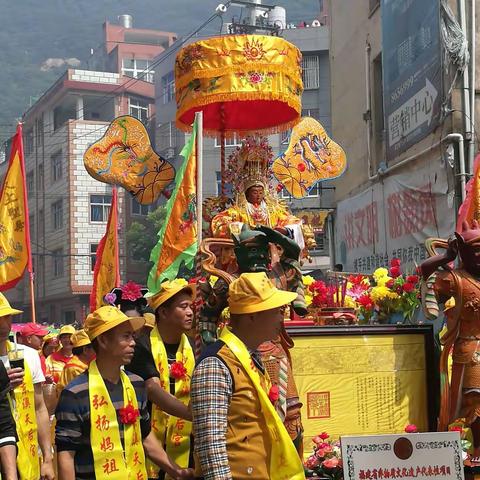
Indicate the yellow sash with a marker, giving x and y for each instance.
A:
(28, 461)
(172, 432)
(111, 460)
(285, 464)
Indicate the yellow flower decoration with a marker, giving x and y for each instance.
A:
(382, 281)
(213, 280)
(308, 300)
(380, 273)
(307, 280)
(382, 293)
(349, 302)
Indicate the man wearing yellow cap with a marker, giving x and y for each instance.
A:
(83, 354)
(238, 433)
(28, 405)
(57, 360)
(103, 426)
(165, 359)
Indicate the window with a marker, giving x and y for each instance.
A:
(31, 224)
(137, 68)
(56, 166)
(41, 224)
(30, 180)
(228, 186)
(311, 112)
(139, 209)
(68, 317)
(285, 137)
(138, 109)
(310, 72)
(93, 255)
(167, 135)
(58, 269)
(229, 142)
(28, 141)
(57, 215)
(168, 87)
(39, 131)
(40, 177)
(315, 192)
(99, 207)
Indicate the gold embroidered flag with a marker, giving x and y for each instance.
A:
(14, 229)
(177, 239)
(106, 274)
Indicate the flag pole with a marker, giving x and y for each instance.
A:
(27, 224)
(199, 150)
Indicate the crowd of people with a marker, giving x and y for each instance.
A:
(125, 397)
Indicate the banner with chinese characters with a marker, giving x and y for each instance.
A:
(359, 384)
(403, 457)
(393, 218)
(14, 228)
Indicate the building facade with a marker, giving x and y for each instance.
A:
(69, 209)
(314, 44)
(399, 112)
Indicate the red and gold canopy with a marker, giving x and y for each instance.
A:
(242, 83)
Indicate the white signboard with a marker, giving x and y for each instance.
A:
(416, 456)
(392, 219)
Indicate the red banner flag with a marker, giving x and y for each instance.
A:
(15, 253)
(106, 274)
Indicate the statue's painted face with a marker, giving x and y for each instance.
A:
(255, 194)
(252, 255)
(468, 243)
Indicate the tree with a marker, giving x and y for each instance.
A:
(143, 236)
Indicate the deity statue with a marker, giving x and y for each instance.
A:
(256, 202)
(460, 396)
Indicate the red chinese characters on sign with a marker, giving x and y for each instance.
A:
(136, 460)
(410, 211)
(106, 445)
(98, 401)
(110, 466)
(405, 472)
(101, 423)
(361, 226)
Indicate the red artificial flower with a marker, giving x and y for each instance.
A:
(131, 291)
(412, 279)
(324, 435)
(456, 429)
(312, 462)
(365, 301)
(128, 414)
(301, 167)
(395, 272)
(279, 188)
(390, 283)
(317, 440)
(332, 462)
(356, 279)
(411, 429)
(274, 393)
(178, 370)
(322, 452)
(408, 287)
(395, 262)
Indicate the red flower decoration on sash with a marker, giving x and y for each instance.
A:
(129, 414)
(274, 393)
(178, 370)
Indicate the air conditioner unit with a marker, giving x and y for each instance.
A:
(169, 153)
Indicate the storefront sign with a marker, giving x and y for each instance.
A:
(393, 219)
(406, 457)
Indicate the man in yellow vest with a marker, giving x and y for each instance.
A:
(103, 426)
(166, 356)
(83, 354)
(238, 433)
(29, 410)
(57, 360)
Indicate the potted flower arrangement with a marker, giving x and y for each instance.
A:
(326, 459)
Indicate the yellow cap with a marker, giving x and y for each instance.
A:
(5, 308)
(149, 320)
(254, 292)
(108, 317)
(168, 290)
(67, 330)
(49, 336)
(80, 339)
